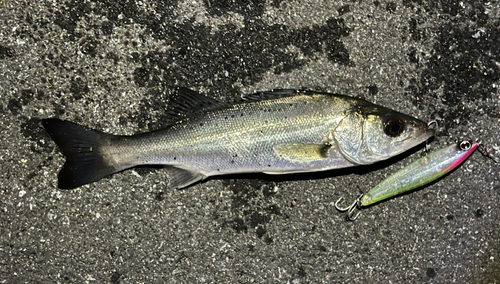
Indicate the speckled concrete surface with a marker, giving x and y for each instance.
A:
(112, 65)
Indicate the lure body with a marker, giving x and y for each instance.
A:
(421, 172)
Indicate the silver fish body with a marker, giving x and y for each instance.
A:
(272, 132)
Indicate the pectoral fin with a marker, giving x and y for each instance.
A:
(302, 152)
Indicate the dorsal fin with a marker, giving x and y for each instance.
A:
(188, 103)
(270, 95)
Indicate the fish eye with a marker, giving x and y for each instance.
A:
(394, 126)
(465, 145)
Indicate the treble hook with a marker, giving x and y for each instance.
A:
(350, 209)
(434, 121)
(482, 149)
(344, 209)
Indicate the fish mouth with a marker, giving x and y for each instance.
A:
(424, 134)
(427, 134)
(425, 131)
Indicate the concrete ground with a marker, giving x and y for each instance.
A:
(112, 65)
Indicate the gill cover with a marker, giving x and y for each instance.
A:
(371, 133)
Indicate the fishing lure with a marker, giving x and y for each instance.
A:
(419, 173)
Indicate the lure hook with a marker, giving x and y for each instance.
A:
(434, 121)
(350, 209)
(344, 209)
(482, 149)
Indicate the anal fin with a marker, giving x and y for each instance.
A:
(180, 178)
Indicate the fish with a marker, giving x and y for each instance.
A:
(417, 174)
(271, 132)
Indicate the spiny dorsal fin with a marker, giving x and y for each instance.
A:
(270, 95)
(189, 103)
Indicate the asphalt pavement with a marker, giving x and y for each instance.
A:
(113, 65)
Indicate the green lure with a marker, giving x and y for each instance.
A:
(417, 174)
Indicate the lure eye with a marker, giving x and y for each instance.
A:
(465, 145)
(394, 126)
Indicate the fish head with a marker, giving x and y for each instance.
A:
(371, 133)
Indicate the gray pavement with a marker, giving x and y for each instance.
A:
(112, 65)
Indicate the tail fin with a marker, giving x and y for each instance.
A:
(81, 146)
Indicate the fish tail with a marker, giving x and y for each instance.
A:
(82, 148)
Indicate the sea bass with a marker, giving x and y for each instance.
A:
(275, 132)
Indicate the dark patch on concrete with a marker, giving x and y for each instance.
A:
(23, 98)
(254, 219)
(195, 60)
(115, 278)
(449, 7)
(430, 272)
(141, 76)
(244, 190)
(268, 191)
(239, 225)
(257, 218)
(113, 56)
(247, 199)
(58, 108)
(74, 11)
(27, 95)
(268, 240)
(391, 7)
(260, 231)
(415, 32)
(479, 213)
(286, 67)
(274, 209)
(160, 196)
(463, 63)
(6, 52)
(14, 106)
(32, 130)
(344, 9)
(89, 46)
(372, 90)
(302, 272)
(123, 120)
(70, 15)
(249, 9)
(107, 27)
(201, 55)
(78, 88)
(251, 248)
(412, 56)
(152, 113)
